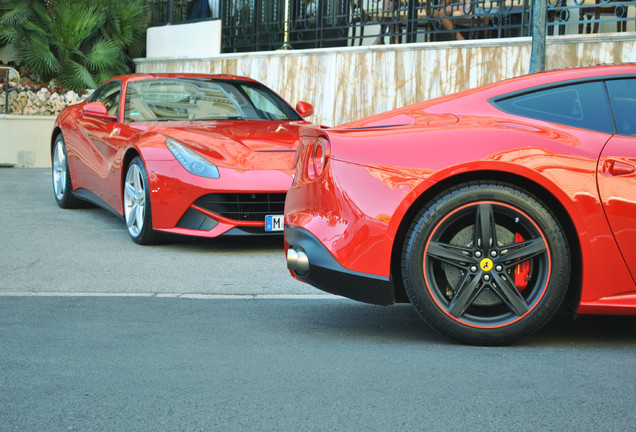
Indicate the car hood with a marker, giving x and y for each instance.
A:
(236, 144)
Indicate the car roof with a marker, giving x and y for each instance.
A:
(149, 76)
(558, 76)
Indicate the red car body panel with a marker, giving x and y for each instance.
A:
(379, 167)
(251, 156)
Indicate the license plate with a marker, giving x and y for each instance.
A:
(274, 222)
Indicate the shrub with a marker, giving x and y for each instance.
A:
(77, 43)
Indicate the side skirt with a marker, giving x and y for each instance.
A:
(86, 195)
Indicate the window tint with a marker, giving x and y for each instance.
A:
(108, 94)
(581, 105)
(622, 94)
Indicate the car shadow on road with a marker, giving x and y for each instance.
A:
(585, 330)
(400, 323)
(350, 320)
(226, 243)
(104, 219)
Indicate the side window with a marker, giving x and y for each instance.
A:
(108, 94)
(622, 93)
(581, 105)
(263, 103)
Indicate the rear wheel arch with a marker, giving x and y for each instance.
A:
(574, 289)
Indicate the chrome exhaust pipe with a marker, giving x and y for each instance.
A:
(297, 261)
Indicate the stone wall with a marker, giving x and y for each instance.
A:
(348, 83)
(41, 102)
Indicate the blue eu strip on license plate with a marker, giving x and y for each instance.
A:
(274, 222)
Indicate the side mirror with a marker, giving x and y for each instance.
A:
(97, 110)
(304, 109)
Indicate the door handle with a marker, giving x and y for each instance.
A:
(616, 168)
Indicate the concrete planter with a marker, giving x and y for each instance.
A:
(25, 141)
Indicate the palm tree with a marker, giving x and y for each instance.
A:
(78, 43)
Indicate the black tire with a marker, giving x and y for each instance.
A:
(62, 184)
(492, 292)
(137, 209)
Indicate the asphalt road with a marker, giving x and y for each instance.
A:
(97, 333)
(47, 249)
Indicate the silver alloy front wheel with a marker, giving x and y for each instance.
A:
(134, 200)
(59, 169)
(137, 210)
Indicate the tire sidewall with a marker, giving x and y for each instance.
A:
(421, 230)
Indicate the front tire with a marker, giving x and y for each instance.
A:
(137, 211)
(486, 263)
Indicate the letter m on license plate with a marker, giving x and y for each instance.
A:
(274, 222)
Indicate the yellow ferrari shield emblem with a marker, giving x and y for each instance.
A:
(486, 264)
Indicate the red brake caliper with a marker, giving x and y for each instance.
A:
(522, 271)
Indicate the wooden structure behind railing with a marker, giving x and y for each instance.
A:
(250, 25)
(348, 83)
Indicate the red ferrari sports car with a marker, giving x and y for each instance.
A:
(488, 210)
(199, 155)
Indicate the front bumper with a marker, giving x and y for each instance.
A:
(325, 273)
(174, 195)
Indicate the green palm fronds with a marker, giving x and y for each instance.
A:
(37, 55)
(103, 55)
(13, 15)
(79, 43)
(76, 76)
(122, 25)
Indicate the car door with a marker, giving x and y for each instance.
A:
(102, 138)
(617, 170)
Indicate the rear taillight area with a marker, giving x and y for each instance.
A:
(312, 157)
(319, 157)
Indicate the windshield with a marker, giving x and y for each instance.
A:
(203, 99)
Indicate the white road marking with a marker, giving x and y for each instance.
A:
(173, 295)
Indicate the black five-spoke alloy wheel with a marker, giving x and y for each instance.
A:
(486, 263)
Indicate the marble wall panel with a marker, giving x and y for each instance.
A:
(348, 83)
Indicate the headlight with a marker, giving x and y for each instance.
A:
(193, 162)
